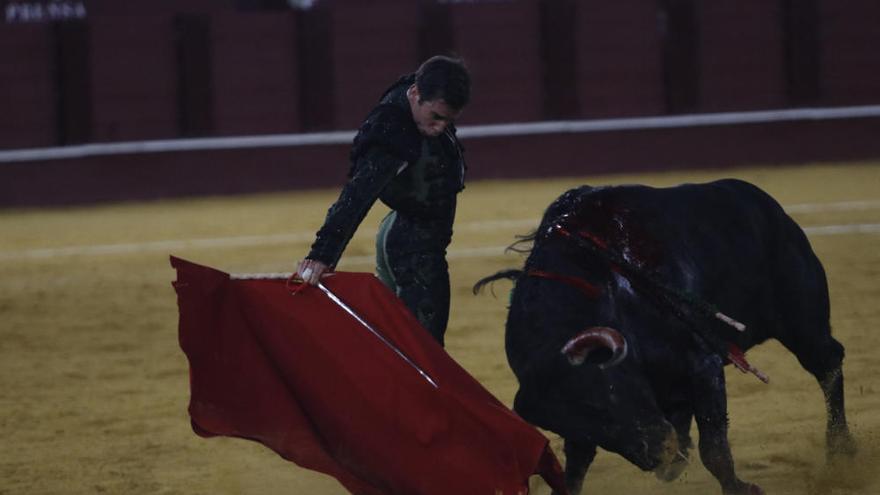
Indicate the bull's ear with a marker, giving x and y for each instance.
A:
(603, 346)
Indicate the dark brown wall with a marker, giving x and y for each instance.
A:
(192, 173)
(618, 59)
(255, 79)
(166, 175)
(499, 41)
(149, 69)
(373, 42)
(133, 75)
(850, 57)
(27, 101)
(163, 69)
(741, 55)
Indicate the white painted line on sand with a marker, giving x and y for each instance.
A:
(247, 241)
(828, 207)
(860, 228)
(521, 225)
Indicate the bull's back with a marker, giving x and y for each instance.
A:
(728, 216)
(756, 262)
(723, 210)
(728, 242)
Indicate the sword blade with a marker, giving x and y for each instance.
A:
(339, 302)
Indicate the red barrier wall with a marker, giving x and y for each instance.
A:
(255, 77)
(27, 103)
(741, 59)
(850, 61)
(158, 69)
(133, 78)
(498, 41)
(373, 43)
(619, 65)
(173, 174)
(213, 172)
(138, 8)
(148, 69)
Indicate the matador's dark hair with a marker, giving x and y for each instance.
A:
(444, 78)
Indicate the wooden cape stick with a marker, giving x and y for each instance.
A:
(348, 309)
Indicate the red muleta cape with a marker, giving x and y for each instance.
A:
(303, 377)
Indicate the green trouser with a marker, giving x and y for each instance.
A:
(383, 270)
(416, 271)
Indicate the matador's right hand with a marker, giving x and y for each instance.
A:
(311, 271)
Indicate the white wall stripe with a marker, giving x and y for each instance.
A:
(166, 145)
(465, 132)
(692, 120)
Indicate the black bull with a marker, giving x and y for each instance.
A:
(611, 332)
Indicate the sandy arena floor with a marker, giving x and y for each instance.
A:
(93, 385)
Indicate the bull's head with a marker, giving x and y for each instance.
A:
(632, 424)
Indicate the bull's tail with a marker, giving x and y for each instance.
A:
(508, 274)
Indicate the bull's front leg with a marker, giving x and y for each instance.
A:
(839, 440)
(578, 457)
(709, 394)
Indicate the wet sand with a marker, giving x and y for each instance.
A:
(93, 385)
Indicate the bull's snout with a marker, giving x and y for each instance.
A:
(672, 460)
(603, 345)
(658, 450)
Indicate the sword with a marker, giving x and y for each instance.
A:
(339, 302)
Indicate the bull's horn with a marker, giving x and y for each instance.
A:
(596, 339)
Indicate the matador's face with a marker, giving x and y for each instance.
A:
(431, 117)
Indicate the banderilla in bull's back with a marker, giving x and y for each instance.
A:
(687, 307)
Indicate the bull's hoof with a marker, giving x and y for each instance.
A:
(756, 490)
(745, 489)
(841, 445)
